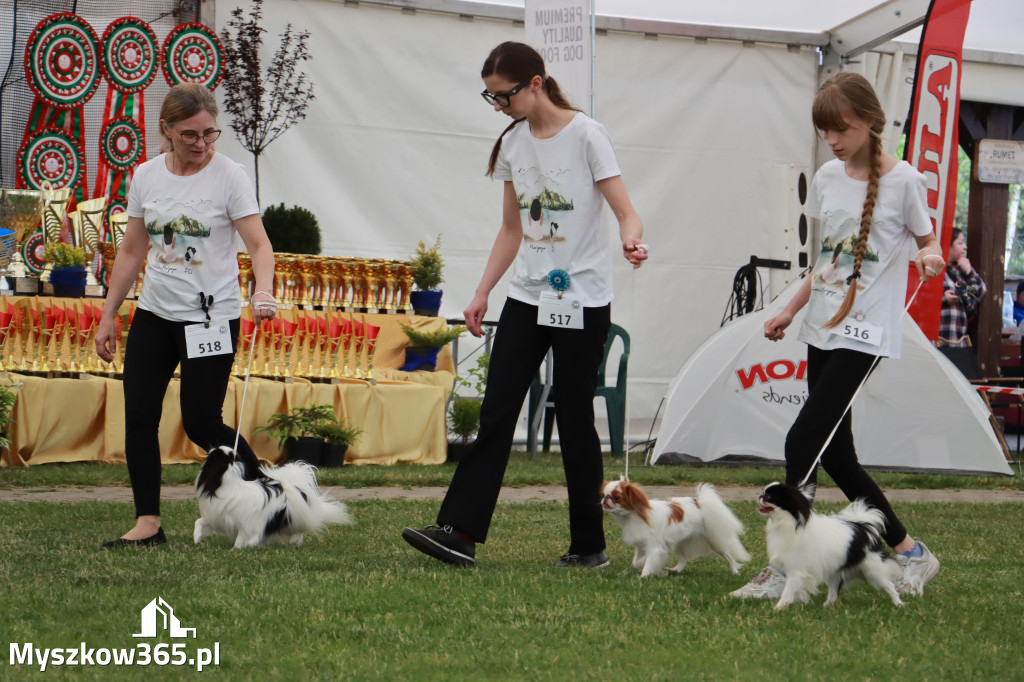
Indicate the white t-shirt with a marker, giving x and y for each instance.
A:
(901, 212)
(193, 249)
(562, 209)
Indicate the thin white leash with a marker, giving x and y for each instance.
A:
(252, 348)
(639, 246)
(863, 381)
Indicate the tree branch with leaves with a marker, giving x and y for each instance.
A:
(263, 106)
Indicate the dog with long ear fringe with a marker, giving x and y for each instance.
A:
(253, 505)
(812, 548)
(684, 527)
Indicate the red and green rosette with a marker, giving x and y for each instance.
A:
(191, 54)
(62, 60)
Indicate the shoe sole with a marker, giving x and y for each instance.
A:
(435, 549)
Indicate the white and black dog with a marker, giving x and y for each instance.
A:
(260, 505)
(812, 548)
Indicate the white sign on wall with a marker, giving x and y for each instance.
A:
(560, 31)
(1001, 161)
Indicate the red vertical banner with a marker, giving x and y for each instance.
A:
(932, 143)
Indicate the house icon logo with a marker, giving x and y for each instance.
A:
(158, 614)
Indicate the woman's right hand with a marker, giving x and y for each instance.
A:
(106, 339)
(474, 315)
(774, 329)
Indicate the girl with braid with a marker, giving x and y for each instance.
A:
(855, 315)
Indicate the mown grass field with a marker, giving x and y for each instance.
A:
(356, 603)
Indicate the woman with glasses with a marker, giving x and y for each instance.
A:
(188, 201)
(559, 298)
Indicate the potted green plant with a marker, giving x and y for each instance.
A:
(421, 353)
(68, 276)
(292, 230)
(428, 273)
(464, 410)
(296, 431)
(8, 397)
(337, 436)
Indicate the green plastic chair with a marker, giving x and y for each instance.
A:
(614, 396)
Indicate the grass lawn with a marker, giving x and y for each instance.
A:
(356, 603)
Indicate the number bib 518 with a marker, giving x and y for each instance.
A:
(565, 312)
(201, 341)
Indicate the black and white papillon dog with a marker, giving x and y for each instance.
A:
(261, 505)
(812, 548)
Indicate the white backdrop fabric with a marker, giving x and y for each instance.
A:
(739, 393)
(395, 145)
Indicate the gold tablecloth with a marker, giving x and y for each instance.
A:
(402, 415)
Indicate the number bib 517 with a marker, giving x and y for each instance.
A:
(565, 312)
(201, 341)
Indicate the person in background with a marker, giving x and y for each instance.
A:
(189, 201)
(559, 297)
(961, 295)
(1018, 304)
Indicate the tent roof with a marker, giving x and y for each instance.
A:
(994, 25)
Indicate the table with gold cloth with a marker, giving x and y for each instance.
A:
(402, 414)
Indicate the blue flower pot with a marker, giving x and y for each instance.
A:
(426, 302)
(417, 357)
(68, 282)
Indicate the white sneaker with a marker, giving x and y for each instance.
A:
(917, 571)
(767, 585)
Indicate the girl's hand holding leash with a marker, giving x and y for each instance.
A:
(635, 252)
(929, 264)
(264, 307)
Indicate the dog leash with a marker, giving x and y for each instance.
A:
(266, 305)
(863, 381)
(640, 246)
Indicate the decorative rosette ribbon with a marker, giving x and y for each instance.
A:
(559, 280)
(191, 54)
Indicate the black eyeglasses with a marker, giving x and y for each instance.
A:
(192, 137)
(502, 98)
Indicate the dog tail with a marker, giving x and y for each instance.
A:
(860, 512)
(310, 509)
(721, 527)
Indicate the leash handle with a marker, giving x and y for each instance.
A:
(863, 381)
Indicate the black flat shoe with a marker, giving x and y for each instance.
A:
(153, 540)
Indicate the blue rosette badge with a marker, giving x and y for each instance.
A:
(559, 280)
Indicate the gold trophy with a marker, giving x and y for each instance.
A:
(108, 249)
(370, 332)
(86, 227)
(244, 273)
(20, 213)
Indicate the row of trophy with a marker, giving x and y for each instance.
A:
(24, 212)
(368, 284)
(54, 337)
(307, 344)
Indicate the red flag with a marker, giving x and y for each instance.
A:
(932, 142)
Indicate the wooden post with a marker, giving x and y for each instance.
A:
(986, 233)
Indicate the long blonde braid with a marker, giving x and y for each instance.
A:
(874, 174)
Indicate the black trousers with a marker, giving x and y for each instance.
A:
(519, 348)
(155, 347)
(833, 377)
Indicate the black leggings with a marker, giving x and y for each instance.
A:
(520, 345)
(832, 377)
(155, 347)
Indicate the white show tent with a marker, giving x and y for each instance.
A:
(705, 103)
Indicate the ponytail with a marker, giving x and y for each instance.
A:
(865, 229)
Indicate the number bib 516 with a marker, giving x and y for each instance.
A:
(859, 330)
(565, 312)
(201, 341)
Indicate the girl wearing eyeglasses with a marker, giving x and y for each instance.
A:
(559, 298)
(188, 204)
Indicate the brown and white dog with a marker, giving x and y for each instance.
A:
(684, 527)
